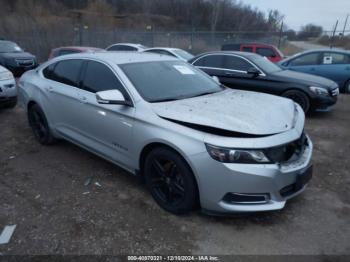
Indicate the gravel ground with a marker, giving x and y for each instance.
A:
(42, 191)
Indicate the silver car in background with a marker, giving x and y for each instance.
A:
(8, 90)
(195, 142)
(174, 52)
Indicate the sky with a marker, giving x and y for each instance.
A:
(301, 12)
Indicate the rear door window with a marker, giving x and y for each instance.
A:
(335, 59)
(213, 61)
(236, 63)
(263, 51)
(67, 72)
(48, 71)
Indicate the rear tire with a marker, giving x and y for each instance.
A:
(299, 97)
(38, 123)
(170, 181)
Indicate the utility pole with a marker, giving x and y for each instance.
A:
(280, 36)
(345, 24)
(333, 36)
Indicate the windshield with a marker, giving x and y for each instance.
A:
(184, 54)
(9, 47)
(162, 81)
(264, 64)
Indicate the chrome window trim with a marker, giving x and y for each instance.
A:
(90, 59)
(226, 69)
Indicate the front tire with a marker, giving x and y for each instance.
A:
(170, 181)
(299, 97)
(38, 123)
(347, 87)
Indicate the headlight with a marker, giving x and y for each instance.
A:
(7, 75)
(243, 156)
(319, 90)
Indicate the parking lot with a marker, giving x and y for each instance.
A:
(44, 191)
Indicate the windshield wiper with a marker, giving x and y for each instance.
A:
(164, 100)
(204, 94)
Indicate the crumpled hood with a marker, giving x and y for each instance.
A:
(233, 110)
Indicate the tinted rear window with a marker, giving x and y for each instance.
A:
(216, 61)
(237, 63)
(67, 72)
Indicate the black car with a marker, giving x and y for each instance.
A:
(248, 71)
(15, 59)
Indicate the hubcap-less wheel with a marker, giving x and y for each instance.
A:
(170, 181)
(39, 125)
(166, 182)
(299, 98)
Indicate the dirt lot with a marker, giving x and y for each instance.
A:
(42, 191)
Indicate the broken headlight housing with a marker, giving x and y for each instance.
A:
(242, 156)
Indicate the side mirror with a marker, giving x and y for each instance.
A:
(253, 72)
(111, 97)
(216, 79)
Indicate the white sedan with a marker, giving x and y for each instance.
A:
(174, 52)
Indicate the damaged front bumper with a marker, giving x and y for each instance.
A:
(232, 187)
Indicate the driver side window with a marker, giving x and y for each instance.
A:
(98, 77)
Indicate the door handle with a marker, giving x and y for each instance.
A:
(49, 89)
(312, 69)
(83, 99)
(228, 73)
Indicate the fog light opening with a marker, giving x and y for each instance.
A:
(242, 198)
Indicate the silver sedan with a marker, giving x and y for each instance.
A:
(195, 142)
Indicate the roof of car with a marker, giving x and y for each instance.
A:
(252, 43)
(80, 48)
(120, 57)
(243, 54)
(129, 44)
(335, 50)
(163, 48)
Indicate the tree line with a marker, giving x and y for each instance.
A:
(205, 15)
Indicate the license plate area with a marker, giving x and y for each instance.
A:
(301, 180)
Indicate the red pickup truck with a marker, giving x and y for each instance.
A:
(269, 51)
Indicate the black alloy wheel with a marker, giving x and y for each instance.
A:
(39, 125)
(170, 181)
(300, 98)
